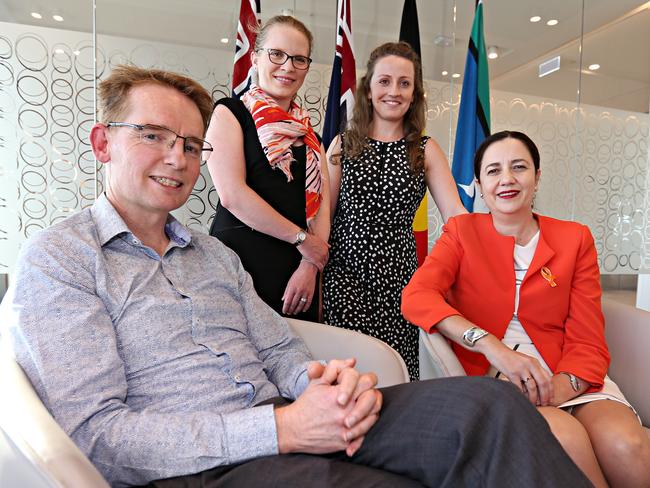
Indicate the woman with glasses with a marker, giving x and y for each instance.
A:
(380, 170)
(269, 170)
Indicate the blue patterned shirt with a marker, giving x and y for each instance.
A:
(152, 365)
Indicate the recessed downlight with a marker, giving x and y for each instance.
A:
(57, 17)
(36, 15)
(535, 18)
(552, 22)
(594, 67)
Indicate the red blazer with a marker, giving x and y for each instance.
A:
(470, 272)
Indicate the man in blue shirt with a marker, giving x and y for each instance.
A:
(149, 346)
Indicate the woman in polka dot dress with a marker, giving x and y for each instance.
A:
(379, 172)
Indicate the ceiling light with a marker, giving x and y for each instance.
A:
(59, 51)
(57, 17)
(76, 53)
(455, 75)
(224, 40)
(594, 67)
(36, 15)
(535, 18)
(492, 52)
(445, 73)
(552, 22)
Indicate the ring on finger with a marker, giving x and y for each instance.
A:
(303, 299)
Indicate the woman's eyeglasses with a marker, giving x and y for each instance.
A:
(280, 57)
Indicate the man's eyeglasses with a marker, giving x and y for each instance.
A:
(160, 137)
(280, 57)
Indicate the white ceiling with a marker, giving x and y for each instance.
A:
(617, 36)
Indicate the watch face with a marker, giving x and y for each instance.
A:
(472, 335)
(300, 237)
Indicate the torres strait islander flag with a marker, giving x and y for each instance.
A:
(249, 17)
(340, 99)
(410, 32)
(474, 112)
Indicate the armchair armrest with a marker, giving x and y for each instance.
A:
(32, 445)
(437, 359)
(627, 329)
(328, 342)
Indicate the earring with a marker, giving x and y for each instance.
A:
(481, 195)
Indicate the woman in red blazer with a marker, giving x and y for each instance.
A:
(518, 296)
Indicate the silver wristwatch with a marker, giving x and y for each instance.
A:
(574, 380)
(300, 238)
(473, 334)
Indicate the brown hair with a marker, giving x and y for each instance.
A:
(287, 20)
(355, 140)
(112, 94)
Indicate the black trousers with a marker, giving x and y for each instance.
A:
(454, 432)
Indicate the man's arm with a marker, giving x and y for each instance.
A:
(64, 338)
(284, 354)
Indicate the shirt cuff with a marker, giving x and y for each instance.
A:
(301, 384)
(251, 433)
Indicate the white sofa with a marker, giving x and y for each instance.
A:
(36, 453)
(628, 336)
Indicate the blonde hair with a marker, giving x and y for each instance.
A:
(112, 94)
(284, 20)
(356, 136)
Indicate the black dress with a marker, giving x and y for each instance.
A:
(270, 261)
(373, 253)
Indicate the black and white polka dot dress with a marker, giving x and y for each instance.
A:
(372, 255)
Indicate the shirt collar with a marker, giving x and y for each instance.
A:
(109, 224)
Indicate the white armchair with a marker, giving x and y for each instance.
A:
(36, 453)
(628, 335)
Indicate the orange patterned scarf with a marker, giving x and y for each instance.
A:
(278, 130)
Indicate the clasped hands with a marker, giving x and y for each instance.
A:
(334, 413)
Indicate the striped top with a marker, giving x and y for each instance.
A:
(523, 256)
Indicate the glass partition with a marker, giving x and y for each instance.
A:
(591, 123)
(46, 99)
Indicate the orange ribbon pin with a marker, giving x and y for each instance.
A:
(548, 276)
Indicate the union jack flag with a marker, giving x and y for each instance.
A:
(249, 17)
(340, 98)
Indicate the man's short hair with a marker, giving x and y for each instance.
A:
(113, 92)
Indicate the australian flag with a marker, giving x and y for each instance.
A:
(340, 98)
(249, 18)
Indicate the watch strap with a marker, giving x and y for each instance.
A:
(574, 380)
